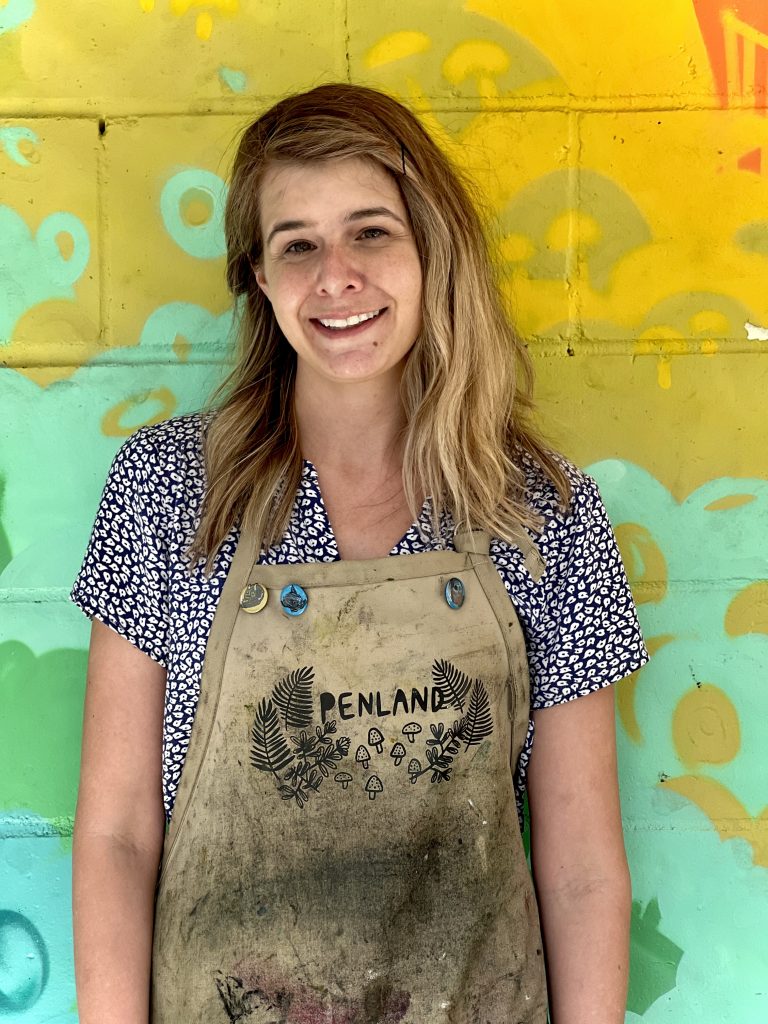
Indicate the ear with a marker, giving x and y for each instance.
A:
(261, 280)
(258, 273)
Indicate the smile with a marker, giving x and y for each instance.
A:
(350, 321)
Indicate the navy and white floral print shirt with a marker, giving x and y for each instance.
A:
(579, 620)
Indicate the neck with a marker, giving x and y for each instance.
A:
(352, 429)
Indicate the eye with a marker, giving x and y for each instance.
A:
(373, 232)
(293, 250)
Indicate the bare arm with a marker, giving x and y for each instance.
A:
(579, 864)
(119, 830)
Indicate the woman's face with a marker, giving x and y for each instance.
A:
(338, 244)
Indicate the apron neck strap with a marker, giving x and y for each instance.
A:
(478, 542)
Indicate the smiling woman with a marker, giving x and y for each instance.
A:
(346, 291)
(328, 611)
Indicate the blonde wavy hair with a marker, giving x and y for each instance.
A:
(467, 382)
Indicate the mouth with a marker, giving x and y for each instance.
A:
(345, 328)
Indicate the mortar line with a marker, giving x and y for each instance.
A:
(102, 235)
(234, 107)
(346, 41)
(537, 346)
(573, 253)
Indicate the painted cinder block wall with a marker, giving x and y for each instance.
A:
(623, 151)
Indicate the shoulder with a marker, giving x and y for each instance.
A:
(580, 620)
(542, 496)
(176, 440)
(576, 542)
(583, 521)
(166, 459)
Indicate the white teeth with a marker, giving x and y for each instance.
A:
(350, 321)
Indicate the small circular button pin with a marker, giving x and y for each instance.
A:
(293, 599)
(253, 597)
(454, 592)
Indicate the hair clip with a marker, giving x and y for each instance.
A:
(402, 156)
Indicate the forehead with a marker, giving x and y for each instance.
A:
(325, 189)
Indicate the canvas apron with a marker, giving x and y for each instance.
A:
(345, 846)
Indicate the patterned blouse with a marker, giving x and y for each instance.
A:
(579, 620)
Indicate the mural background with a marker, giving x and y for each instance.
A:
(623, 154)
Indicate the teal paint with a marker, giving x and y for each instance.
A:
(710, 893)
(14, 13)
(24, 964)
(32, 268)
(36, 966)
(203, 241)
(10, 139)
(235, 81)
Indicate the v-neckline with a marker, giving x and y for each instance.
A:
(422, 526)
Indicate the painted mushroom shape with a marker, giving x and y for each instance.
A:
(362, 756)
(397, 753)
(373, 786)
(375, 739)
(411, 730)
(414, 768)
(344, 778)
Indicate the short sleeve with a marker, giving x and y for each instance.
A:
(123, 577)
(589, 635)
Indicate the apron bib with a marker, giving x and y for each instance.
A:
(345, 847)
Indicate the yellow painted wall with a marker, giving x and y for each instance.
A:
(622, 150)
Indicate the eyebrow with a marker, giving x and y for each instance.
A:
(371, 211)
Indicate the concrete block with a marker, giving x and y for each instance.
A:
(50, 254)
(164, 206)
(709, 423)
(154, 55)
(671, 245)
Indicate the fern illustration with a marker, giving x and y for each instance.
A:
(478, 722)
(269, 749)
(293, 697)
(452, 683)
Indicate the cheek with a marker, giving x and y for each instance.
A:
(284, 291)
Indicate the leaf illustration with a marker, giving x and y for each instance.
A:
(477, 723)
(452, 683)
(293, 697)
(269, 750)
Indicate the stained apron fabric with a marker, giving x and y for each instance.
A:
(345, 845)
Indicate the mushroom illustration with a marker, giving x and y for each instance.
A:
(411, 730)
(344, 778)
(414, 767)
(375, 739)
(373, 786)
(362, 756)
(397, 752)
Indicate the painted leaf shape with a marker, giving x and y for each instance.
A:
(655, 958)
(269, 749)
(452, 683)
(478, 722)
(293, 697)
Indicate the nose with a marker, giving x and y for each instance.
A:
(337, 272)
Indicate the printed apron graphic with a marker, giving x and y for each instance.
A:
(288, 743)
(253, 1003)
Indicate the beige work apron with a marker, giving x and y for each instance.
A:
(345, 846)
